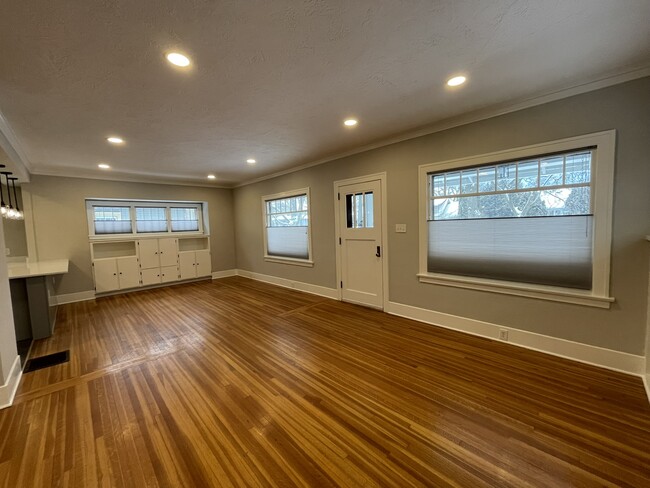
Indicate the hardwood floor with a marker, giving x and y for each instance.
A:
(239, 383)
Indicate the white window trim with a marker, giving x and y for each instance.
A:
(202, 207)
(603, 160)
(279, 259)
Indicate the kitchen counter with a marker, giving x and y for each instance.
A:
(32, 289)
(38, 268)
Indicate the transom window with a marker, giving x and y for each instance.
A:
(286, 227)
(542, 187)
(120, 218)
(534, 221)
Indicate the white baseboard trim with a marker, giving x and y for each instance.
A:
(576, 351)
(224, 274)
(322, 291)
(73, 297)
(8, 390)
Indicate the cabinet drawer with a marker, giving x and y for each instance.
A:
(151, 276)
(168, 273)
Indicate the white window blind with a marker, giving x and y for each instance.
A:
(287, 227)
(150, 219)
(184, 219)
(526, 221)
(121, 217)
(112, 220)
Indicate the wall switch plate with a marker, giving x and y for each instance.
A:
(401, 228)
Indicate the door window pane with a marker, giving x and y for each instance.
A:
(359, 210)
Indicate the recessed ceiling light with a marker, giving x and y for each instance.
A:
(104, 166)
(251, 161)
(178, 59)
(456, 80)
(115, 140)
(211, 177)
(351, 122)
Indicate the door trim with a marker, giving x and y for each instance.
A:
(381, 177)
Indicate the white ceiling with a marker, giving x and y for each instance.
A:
(274, 80)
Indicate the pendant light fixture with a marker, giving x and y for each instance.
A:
(10, 213)
(18, 214)
(3, 205)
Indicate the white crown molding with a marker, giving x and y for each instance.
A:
(9, 143)
(125, 177)
(470, 117)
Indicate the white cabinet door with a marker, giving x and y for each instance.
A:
(186, 264)
(169, 273)
(203, 263)
(148, 249)
(128, 271)
(150, 276)
(106, 275)
(168, 251)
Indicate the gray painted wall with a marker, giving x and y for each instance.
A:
(61, 229)
(8, 350)
(624, 107)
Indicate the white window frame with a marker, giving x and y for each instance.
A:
(202, 210)
(286, 260)
(603, 160)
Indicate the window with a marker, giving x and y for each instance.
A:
(535, 218)
(150, 219)
(360, 210)
(286, 227)
(184, 219)
(122, 218)
(112, 220)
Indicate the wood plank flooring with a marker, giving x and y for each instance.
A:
(240, 383)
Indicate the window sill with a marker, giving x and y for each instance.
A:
(137, 237)
(295, 262)
(541, 292)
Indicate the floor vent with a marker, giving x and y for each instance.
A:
(47, 361)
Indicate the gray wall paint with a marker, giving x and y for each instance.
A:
(61, 229)
(8, 350)
(625, 108)
(15, 238)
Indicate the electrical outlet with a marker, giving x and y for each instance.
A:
(401, 228)
(503, 334)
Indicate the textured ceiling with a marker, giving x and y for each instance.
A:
(273, 80)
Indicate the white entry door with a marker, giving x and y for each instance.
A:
(361, 250)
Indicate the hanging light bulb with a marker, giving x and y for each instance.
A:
(7, 209)
(18, 214)
(3, 205)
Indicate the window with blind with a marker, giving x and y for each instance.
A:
(539, 219)
(286, 226)
(528, 221)
(139, 217)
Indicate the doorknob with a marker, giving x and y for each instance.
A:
(378, 254)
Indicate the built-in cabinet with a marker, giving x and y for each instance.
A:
(125, 264)
(194, 258)
(158, 260)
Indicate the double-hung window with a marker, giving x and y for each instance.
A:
(534, 221)
(121, 218)
(287, 233)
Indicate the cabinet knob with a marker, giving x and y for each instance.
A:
(114, 274)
